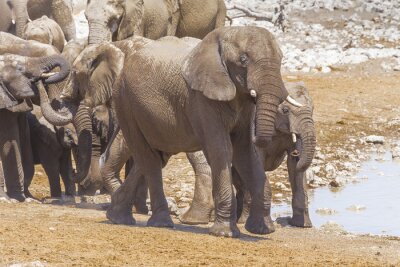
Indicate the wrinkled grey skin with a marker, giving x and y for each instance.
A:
(18, 76)
(117, 19)
(51, 147)
(6, 17)
(46, 31)
(59, 10)
(290, 119)
(206, 105)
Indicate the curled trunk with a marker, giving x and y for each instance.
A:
(83, 126)
(55, 118)
(46, 64)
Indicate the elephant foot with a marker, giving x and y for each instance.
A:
(301, 221)
(196, 215)
(20, 197)
(225, 229)
(120, 216)
(260, 225)
(160, 219)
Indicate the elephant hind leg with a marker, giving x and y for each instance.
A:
(202, 205)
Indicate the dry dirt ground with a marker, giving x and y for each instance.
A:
(347, 102)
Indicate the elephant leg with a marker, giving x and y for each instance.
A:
(26, 153)
(52, 169)
(120, 210)
(2, 192)
(112, 161)
(242, 197)
(66, 172)
(202, 205)
(248, 165)
(141, 197)
(298, 184)
(10, 155)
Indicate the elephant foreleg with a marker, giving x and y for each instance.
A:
(242, 196)
(202, 205)
(10, 155)
(298, 184)
(66, 172)
(26, 153)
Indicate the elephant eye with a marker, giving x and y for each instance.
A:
(244, 60)
(285, 110)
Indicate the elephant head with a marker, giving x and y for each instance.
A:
(112, 20)
(90, 85)
(18, 74)
(299, 124)
(243, 61)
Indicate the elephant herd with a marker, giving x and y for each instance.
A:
(154, 78)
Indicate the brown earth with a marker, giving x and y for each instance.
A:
(348, 104)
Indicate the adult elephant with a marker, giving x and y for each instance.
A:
(186, 95)
(295, 138)
(119, 19)
(18, 76)
(59, 10)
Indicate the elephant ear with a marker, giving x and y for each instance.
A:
(106, 67)
(132, 19)
(7, 100)
(204, 70)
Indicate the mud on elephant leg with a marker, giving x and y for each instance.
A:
(301, 217)
(202, 204)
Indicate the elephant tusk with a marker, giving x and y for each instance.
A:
(253, 93)
(294, 137)
(13, 21)
(290, 100)
(48, 74)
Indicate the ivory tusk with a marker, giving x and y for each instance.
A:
(290, 100)
(294, 138)
(253, 93)
(48, 74)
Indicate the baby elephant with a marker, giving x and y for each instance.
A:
(295, 137)
(51, 147)
(46, 31)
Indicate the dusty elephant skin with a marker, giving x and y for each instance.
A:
(18, 75)
(291, 121)
(182, 116)
(6, 24)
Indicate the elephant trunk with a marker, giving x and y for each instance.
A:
(55, 118)
(83, 126)
(99, 33)
(62, 14)
(46, 64)
(21, 16)
(308, 141)
(266, 86)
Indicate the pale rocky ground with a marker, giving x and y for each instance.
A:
(348, 55)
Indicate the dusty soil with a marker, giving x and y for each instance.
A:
(349, 104)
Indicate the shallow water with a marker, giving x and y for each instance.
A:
(370, 206)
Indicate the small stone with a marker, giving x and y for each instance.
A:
(325, 69)
(281, 186)
(172, 207)
(336, 183)
(52, 228)
(375, 139)
(356, 208)
(326, 211)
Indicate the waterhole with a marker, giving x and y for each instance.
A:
(370, 206)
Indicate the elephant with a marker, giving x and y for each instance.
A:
(18, 77)
(46, 31)
(59, 10)
(51, 147)
(184, 95)
(117, 19)
(295, 138)
(6, 17)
